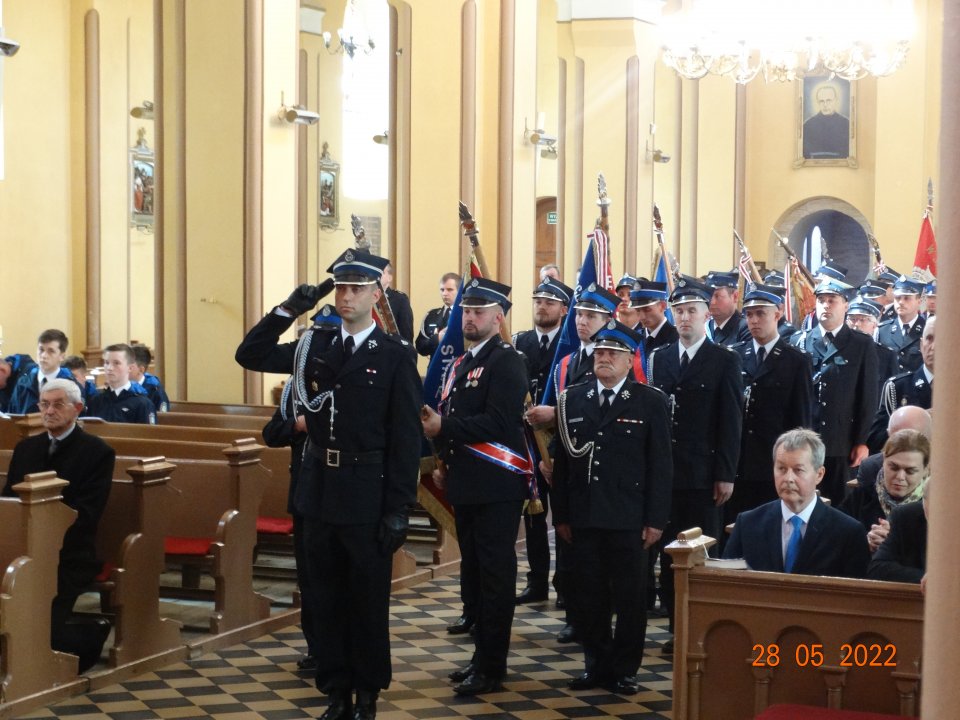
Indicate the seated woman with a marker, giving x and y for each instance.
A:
(906, 465)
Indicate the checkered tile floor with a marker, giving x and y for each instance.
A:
(258, 679)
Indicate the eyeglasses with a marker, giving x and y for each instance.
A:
(55, 405)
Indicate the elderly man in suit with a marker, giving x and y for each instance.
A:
(703, 380)
(799, 533)
(86, 462)
(778, 394)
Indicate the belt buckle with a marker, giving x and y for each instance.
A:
(333, 458)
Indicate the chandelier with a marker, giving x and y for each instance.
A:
(786, 39)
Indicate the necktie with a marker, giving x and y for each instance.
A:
(828, 339)
(42, 383)
(906, 329)
(544, 345)
(348, 346)
(761, 355)
(793, 544)
(606, 399)
(54, 444)
(684, 361)
(583, 358)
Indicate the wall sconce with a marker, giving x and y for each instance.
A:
(297, 114)
(348, 46)
(546, 143)
(656, 155)
(8, 47)
(144, 111)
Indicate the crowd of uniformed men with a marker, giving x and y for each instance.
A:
(657, 425)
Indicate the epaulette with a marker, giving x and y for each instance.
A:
(728, 348)
(654, 388)
(516, 335)
(508, 346)
(740, 344)
(393, 337)
(581, 382)
(885, 322)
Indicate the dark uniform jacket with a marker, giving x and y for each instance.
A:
(844, 385)
(887, 364)
(623, 482)
(577, 372)
(902, 557)
(834, 544)
(910, 388)
(907, 348)
(280, 432)
(155, 392)
(734, 330)
(86, 462)
(402, 313)
(130, 406)
(372, 468)
(19, 365)
(428, 338)
(26, 394)
(484, 404)
(778, 396)
(706, 421)
(538, 363)
(668, 334)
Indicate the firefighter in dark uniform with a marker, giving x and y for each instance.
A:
(360, 393)
(626, 313)
(550, 302)
(595, 306)
(435, 321)
(480, 438)
(845, 385)
(649, 298)
(703, 380)
(930, 299)
(778, 396)
(909, 388)
(726, 325)
(887, 279)
(863, 315)
(612, 482)
(902, 334)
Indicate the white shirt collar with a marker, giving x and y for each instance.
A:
(824, 331)
(615, 388)
(927, 374)
(63, 436)
(125, 386)
(768, 347)
(910, 322)
(692, 350)
(479, 346)
(359, 337)
(653, 333)
(550, 335)
(40, 376)
(586, 346)
(804, 514)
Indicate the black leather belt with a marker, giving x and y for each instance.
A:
(335, 458)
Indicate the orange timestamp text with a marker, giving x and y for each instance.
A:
(812, 655)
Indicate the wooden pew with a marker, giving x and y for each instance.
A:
(249, 423)
(264, 411)
(214, 505)
(31, 535)
(130, 540)
(747, 640)
(108, 430)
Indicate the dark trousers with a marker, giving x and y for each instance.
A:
(610, 568)
(487, 535)
(350, 578)
(538, 546)
(689, 508)
(307, 602)
(835, 476)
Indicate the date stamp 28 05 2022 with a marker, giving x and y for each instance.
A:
(814, 655)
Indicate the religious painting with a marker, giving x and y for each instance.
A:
(826, 122)
(328, 205)
(142, 183)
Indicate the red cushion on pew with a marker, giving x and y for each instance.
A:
(808, 712)
(108, 567)
(186, 545)
(275, 526)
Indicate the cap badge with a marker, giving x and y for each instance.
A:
(325, 312)
(348, 256)
(475, 283)
(612, 325)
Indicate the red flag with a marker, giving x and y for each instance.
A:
(925, 261)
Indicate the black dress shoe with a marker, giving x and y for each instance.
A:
(667, 647)
(477, 683)
(340, 707)
(307, 664)
(532, 594)
(461, 626)
(461, 674)
(587, 681)
(366, 706)
(561, 602)
(624, 685)
(567, 635)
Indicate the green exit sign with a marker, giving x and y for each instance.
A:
(552, 218)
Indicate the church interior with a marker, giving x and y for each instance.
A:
(207, 156)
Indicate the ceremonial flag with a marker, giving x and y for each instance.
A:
(925, 260)
(597, 256)
(788, 299)
(660, 276)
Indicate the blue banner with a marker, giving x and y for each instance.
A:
(661, 277)
(449, 349)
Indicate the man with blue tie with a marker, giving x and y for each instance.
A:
(799, 533)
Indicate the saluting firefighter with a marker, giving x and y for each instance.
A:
(612, 485)
(480, 439)
(777, 396)
(703, 379)
(550, 302)
(359, 391)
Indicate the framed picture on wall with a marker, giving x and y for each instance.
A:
(142, 183)
(826, 122)
(328, 205)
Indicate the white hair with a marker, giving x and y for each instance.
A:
(69, 387)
